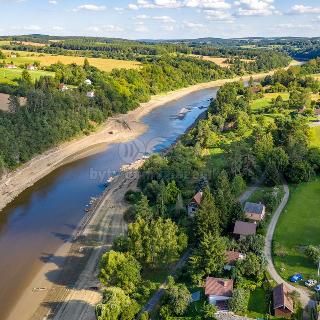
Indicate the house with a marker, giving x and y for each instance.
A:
(219, 291)
(282, 302)
(63, 87)
(232, 258)
(90, 94)
(244, 229)
(88, 82)
(194, 203)
(255, 211)
(31, 67)
(11, 66)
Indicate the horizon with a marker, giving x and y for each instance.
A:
(162, 19)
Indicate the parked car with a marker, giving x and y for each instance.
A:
(296, 277)
(317, 288)
(310, 283)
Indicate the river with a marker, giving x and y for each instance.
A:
(45, 215)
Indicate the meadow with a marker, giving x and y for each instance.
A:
(10, 76)
(47, 60)
(297, 228)
(265, 101)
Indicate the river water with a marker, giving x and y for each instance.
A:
(45, 215)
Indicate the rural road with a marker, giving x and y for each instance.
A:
(304, 296)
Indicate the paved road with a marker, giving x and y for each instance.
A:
(304, 295)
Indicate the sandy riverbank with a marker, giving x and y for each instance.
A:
(15, 182)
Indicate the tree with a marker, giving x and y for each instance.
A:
(120, 270)
(209, 311)
(207, 217)
(209, 258)
(239, 301)
(25, 75)
(14, 104)
(86, 64)
(178, 297)
(116, 305)
(254, 243)
(252, 266)
(143, 210)
(314, 253)
(157, 242)
(238, 185)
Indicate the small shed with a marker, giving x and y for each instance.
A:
(232, 258)
(194, 204)
(244, 229)
(282, 302)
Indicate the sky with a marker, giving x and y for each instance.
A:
(161, 19)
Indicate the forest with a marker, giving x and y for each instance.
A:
(161, 230)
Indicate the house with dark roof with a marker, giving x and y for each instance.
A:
(219, 291)
(255, 211)
(232, 258)
(283, 305)
(244, 229)
(194, 204)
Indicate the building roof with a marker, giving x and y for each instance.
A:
(198, 197)
(245, 228)
(219, 287)
(281, 298)
(251, 207)
(233, 257)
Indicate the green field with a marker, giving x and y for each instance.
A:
(315, 137)
(261, 103)
(298, 227)
(258, 304)
(10, 76)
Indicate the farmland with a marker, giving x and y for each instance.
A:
(10, 76)
(47, 60)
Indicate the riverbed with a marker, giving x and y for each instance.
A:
(44, 216)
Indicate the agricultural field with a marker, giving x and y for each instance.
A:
(10, 76)
(219, 61)
(47, 60)
(297, 228)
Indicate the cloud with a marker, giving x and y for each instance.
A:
(105, 28)
(172, 4)
(57, 28)
(90, 7)
(165, 19)
(255, 7)
(32, 27)
(302, 9)
(192, 25)
(53, 2)
(218, 15)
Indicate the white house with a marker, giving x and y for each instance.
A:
(11, 66)
(88, 82)
(31, 67)
(219, 291)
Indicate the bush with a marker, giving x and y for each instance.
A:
(240, 300)
(132, 197)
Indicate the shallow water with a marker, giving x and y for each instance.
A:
(45, 215)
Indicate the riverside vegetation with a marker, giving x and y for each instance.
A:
(231, 148)
(51, 116)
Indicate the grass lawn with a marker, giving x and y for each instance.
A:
(10, 76)
(47, 60)
(261, 103)
(315, 137)
(299, 226)
(258, 304)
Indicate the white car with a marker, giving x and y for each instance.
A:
(310, 283)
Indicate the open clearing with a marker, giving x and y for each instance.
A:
(297, 228)
(47, 60)
(10, 76)
(261, 103)
(4, 102)
(219, 61)
(315, 137)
